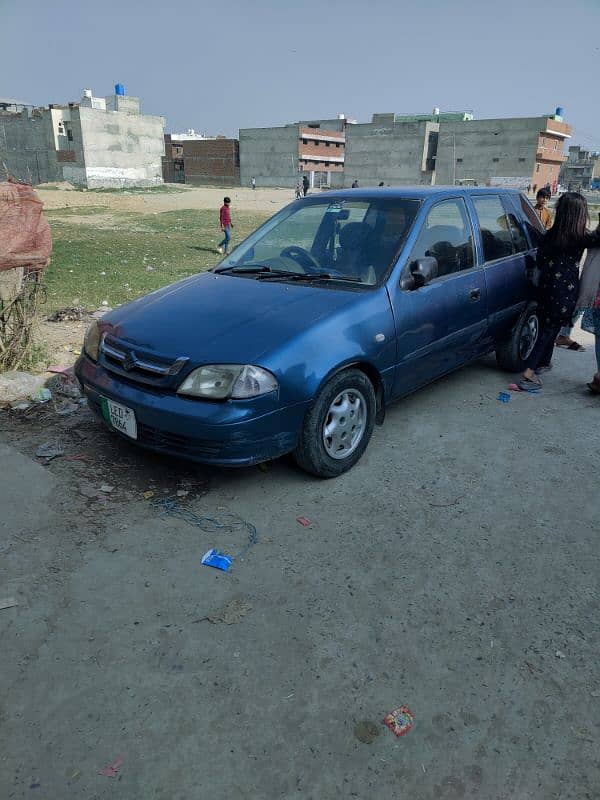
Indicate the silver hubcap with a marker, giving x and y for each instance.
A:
(345, 424)
(529, 334)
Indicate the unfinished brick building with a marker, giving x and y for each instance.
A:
(201, 162)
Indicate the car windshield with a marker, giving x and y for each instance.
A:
(331, 240)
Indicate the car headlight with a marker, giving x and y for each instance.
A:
(91, 343)
(223, 381)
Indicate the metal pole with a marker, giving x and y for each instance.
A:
(453, 159)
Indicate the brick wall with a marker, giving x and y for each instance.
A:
(212, 161)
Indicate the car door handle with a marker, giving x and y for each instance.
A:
(475, 294)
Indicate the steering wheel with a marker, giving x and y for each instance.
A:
(300, 256)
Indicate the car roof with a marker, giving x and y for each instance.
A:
(414, 192)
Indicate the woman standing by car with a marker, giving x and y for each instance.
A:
(589, 302)
(559, 254)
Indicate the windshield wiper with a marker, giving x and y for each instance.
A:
(248, 269)
(309, 276)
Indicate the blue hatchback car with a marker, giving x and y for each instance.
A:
(338, 305)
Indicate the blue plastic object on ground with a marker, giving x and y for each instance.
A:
(504, 397)
(212, 558)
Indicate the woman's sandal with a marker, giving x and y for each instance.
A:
(594, 386)
(572, 345)
(527, 385)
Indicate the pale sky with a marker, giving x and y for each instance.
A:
(221, 65)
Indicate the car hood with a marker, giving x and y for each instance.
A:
(220, 318)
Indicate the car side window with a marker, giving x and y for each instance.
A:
(520, 243)
(446, 235)
(495, 232)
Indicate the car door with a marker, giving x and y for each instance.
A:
(505, 253)
(443, 324)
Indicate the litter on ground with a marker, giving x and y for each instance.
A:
(8, 602)
(49, 451)
(304, 521)
(399, 721)
(112, 770)
(212, 558)
(228, 523)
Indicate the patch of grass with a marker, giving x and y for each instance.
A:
(134, 255)
(36, 359)
(77, 211)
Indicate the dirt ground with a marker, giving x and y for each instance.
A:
(454, 571)
(204, 197)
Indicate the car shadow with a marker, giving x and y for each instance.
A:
(202, 249)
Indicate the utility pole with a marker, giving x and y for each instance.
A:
(453, 159)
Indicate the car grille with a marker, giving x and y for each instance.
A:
(165, 441)
(134, 365)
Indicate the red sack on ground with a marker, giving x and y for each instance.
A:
(25, 238)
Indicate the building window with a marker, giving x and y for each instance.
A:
(327, 144)
(337, 144)
(495, 160)
(304, 141)
(459, 161)
(522, 160)
(537, 167)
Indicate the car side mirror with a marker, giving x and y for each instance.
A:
(424, 270)
(419, 273)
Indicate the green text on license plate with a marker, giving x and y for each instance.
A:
(119, 417)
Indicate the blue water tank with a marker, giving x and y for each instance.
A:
(560, 112)
(120, 89)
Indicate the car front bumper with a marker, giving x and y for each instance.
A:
(231, 433)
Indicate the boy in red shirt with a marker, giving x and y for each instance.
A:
(226, 226)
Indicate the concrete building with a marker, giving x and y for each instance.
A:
(281, 156)
(199, 160)
(98, 142)
(521, 152)
(397, 149)
(580, 169)
(445, 148)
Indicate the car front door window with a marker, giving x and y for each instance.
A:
(446, 235)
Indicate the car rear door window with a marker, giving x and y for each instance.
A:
(520, 243)
(447, 236)
(496, 237)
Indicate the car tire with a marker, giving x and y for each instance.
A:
(512, 354)
(338, 426)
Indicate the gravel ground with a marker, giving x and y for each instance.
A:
(454, 571)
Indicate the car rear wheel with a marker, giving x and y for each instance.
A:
(512, 354)
(339, 425)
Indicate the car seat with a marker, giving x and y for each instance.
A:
(351, 255)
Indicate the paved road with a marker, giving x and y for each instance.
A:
(454, 571)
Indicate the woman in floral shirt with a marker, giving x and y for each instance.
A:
(589, 302)
(558, 259)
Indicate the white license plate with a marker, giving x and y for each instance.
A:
(120, 417)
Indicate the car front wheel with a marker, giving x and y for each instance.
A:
(339, 425)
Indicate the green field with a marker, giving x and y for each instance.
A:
(101, 255)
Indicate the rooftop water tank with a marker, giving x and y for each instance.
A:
(119, 89)
(87, 93)
(436, 112)
(560, 112)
